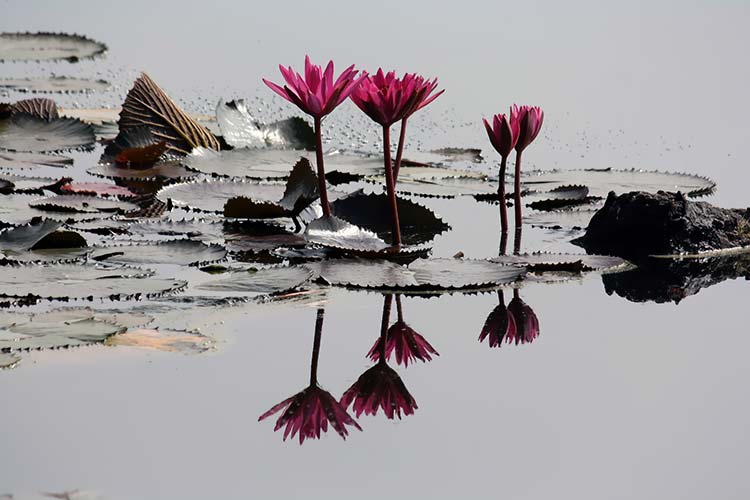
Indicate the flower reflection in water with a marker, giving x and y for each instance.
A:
(515, 323)
(309, 411)
(408, 345)
(380, 387)
(500, 324)
(527, 324)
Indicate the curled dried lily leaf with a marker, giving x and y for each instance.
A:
(148, 105)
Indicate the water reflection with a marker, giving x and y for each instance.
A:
(380, 387)
(402, 339)
(308, 412)
(515, 323)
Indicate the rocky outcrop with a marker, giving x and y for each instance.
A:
(638, 224)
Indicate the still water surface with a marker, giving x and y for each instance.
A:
(614, 399)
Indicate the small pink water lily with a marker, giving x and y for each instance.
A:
(503, 134)
(309, 412)
(527, 324)
(317, 94)
(500, 324)
(386, 99)
(402, 339)
(530, 119)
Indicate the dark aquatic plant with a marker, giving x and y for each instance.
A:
(380, 387)
(317, 94)
(309, 412)
(402, 339)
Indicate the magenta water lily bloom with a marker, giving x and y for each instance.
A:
(386, 99)
(380, 387)
(530, 119)
(317, 94)
(500, 324)
(503, 134)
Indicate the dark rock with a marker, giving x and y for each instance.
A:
(638, 224)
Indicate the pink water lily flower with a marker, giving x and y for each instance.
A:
(309, 412)
(527, 324)
(316, 94)
(530, 119)
(503, 132)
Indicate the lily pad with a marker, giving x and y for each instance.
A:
(58, 84)
(148, 105)
(43, 108)
(176, 252)
(212, 195)
(601, 181)
(241, 130)
(448, 187)
(566, 220)
(45, 46)
(167, 170)
(561, 197)
(257, 236)
(422, 275)
(187, 342)
(267, 281)
(563, 262)
(65, 281)
(442, 156)
(82, 204)
(37, 332)
(96, 189)
(370, 211)
(8, 361)
(28, 184)
(252, 163)
(26, 133)
(19, 160)
(337, 233)
(195, 229)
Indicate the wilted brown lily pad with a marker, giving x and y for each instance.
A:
(135, 147)
(44, 46)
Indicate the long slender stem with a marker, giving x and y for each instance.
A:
(387, 302)
(517, 241)
(390, 186)
(316, 347)
(519, 218)
(399, 309)
(503, 242)
(399, 151)
(322, 190)
(503, 206)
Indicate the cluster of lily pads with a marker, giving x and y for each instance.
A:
(175, 211)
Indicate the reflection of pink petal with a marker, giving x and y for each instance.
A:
(309, 412)
(500, 324)
(406, 342)
(526, 322)
(379, 387)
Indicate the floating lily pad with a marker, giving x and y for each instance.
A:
(337, 233)
(96, 189)
(148, 105)
(370, 211)
(170, 170)
(24, 237)
(176, 252)
(8, 361)
(257, 236)
(47, 47)
(187, 342)
(448, 187)
(601, 181)
(268, 280)
(252, 163)
(64, 281)
(196, 229)
(565, 220)
(443, 155)
(58, 84)
(20, 160)
(563, 261)
(25, 183)
(31, 332)
(82, 204)
(212, 195)
(26, 133)
(241, 130)
(420, 275)
(561, 197)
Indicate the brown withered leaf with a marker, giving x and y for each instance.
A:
(147, 104)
